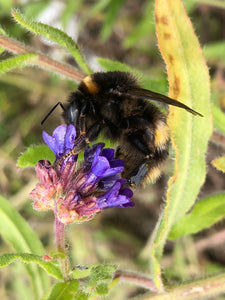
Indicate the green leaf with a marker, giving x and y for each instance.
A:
(82, 295)
(215, 51)
(81, 272)
(101, 277)
(110, 18)
(2, 31)
(15, 62)
(102, 288)
(28, 258)
(39, 152)
(219, 163)
(204, 214)
(101, 273)
(189, 82)
(55, 35)
(22, 238)
(33, 154)
(154, 84)
(64, 290)
(144, 27)
(218, 118)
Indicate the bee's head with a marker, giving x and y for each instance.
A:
(74, 109)
(80, 106)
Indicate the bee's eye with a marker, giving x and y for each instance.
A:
(73, 113)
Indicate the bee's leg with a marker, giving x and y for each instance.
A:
(84, 138)
(139, 174)
(94, 131)
(136, 167)
(80, 143)
(138, 143)
(150, 168)
(146, 158)
(135, 153)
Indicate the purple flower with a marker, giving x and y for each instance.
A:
(116, 196)
(78, 194)
(62, 140)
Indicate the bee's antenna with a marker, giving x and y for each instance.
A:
(54, 107)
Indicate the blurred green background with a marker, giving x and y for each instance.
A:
(123, 31)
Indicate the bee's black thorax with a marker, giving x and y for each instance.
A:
(114, 104)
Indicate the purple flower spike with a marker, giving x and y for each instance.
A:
(101, 164)
(62, 140)
(77, 195)
(90, 153)
(108, 153)
(116, 196)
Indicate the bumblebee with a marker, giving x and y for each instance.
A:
(113, 103)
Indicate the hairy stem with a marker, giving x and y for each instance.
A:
(201, 289)
(137, 279)
(41, 61)
(61, 247)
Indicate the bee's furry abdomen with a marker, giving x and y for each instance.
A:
(143, 163)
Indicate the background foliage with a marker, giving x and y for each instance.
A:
(113, 30)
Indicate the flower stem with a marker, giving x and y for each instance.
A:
(60, 245)
(200, 289)
(41, 60)
(137, 279)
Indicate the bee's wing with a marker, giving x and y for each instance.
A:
(146, 94)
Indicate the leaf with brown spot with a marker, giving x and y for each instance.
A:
(189, 83)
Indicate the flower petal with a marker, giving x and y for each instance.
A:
(61, 141)
(113, 197)
(90, 153)
(108, 153)
(69, 138)
(100, 166)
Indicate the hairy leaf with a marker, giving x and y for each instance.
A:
(33, 154)
(22, 238)
(16, 62)
(28, 258)
(64, 290)
(189, 83)
(55, 35)
(205, 213)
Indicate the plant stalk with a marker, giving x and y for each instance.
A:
(61, 247)
(42, 61)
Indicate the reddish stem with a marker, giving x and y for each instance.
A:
(137, 279)
(41, 60)
(61, 247)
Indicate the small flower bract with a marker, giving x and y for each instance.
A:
(78, 194)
